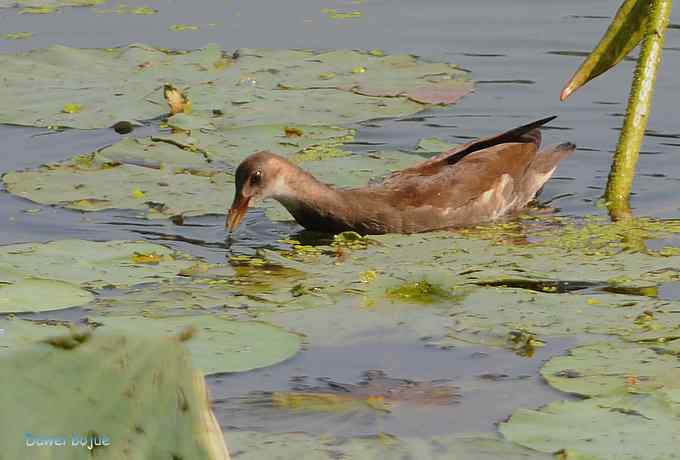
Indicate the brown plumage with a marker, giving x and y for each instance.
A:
(473, 183)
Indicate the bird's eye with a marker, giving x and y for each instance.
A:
(256, 178)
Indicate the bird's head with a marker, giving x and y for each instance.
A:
(258, 177)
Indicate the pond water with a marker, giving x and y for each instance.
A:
(520, 53)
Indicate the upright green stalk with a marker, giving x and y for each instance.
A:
(637, 114)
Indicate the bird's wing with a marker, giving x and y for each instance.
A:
(524, 134)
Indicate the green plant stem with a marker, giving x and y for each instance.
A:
(637, 114)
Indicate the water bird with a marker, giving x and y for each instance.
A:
(477, 182)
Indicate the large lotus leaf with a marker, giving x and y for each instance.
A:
(625, 427)
(253, 87)
(220, 345)
(133, 396)
(250, 445)
(609, 367)
(31, 295)
(94, 264)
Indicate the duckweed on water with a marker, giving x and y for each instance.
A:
(419, 292)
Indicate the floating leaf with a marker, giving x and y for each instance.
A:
(335, 14)
(257, 445)
(621, 427)
(127, 9)
(18, 36)
(219, 345)
(30, 295)
(92, 264)
(245, 89)
(611, 367)
(182, 27)
(178, 175)
(38, 10)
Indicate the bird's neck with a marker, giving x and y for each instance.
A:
(314, 205)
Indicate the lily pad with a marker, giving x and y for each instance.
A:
(250, 445)
(250, 87)
(622, 427)
(32, 295)
(611, 367)
(17, 36)
(160, 193)
(219, 345)
(17, 333)
(93, 264)
(49, 3)
(144, 395)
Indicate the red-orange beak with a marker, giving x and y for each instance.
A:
(238, 210)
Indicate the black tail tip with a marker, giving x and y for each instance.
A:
(544, 121)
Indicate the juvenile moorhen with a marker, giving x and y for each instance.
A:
(473, 183)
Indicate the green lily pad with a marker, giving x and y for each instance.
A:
(17, 36)
(623, 427)
(17, 333)
(96, 186)
(611, 367)
(93, 264)
(252, 87)
(492, 316)
(167, 175)
(144, 395)
(214, 147)
(129, 9)
(32, 295)
(49, 3)
(434, 145)
(248, 287)
(250, 445)
(478, 309)
(219, 345)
